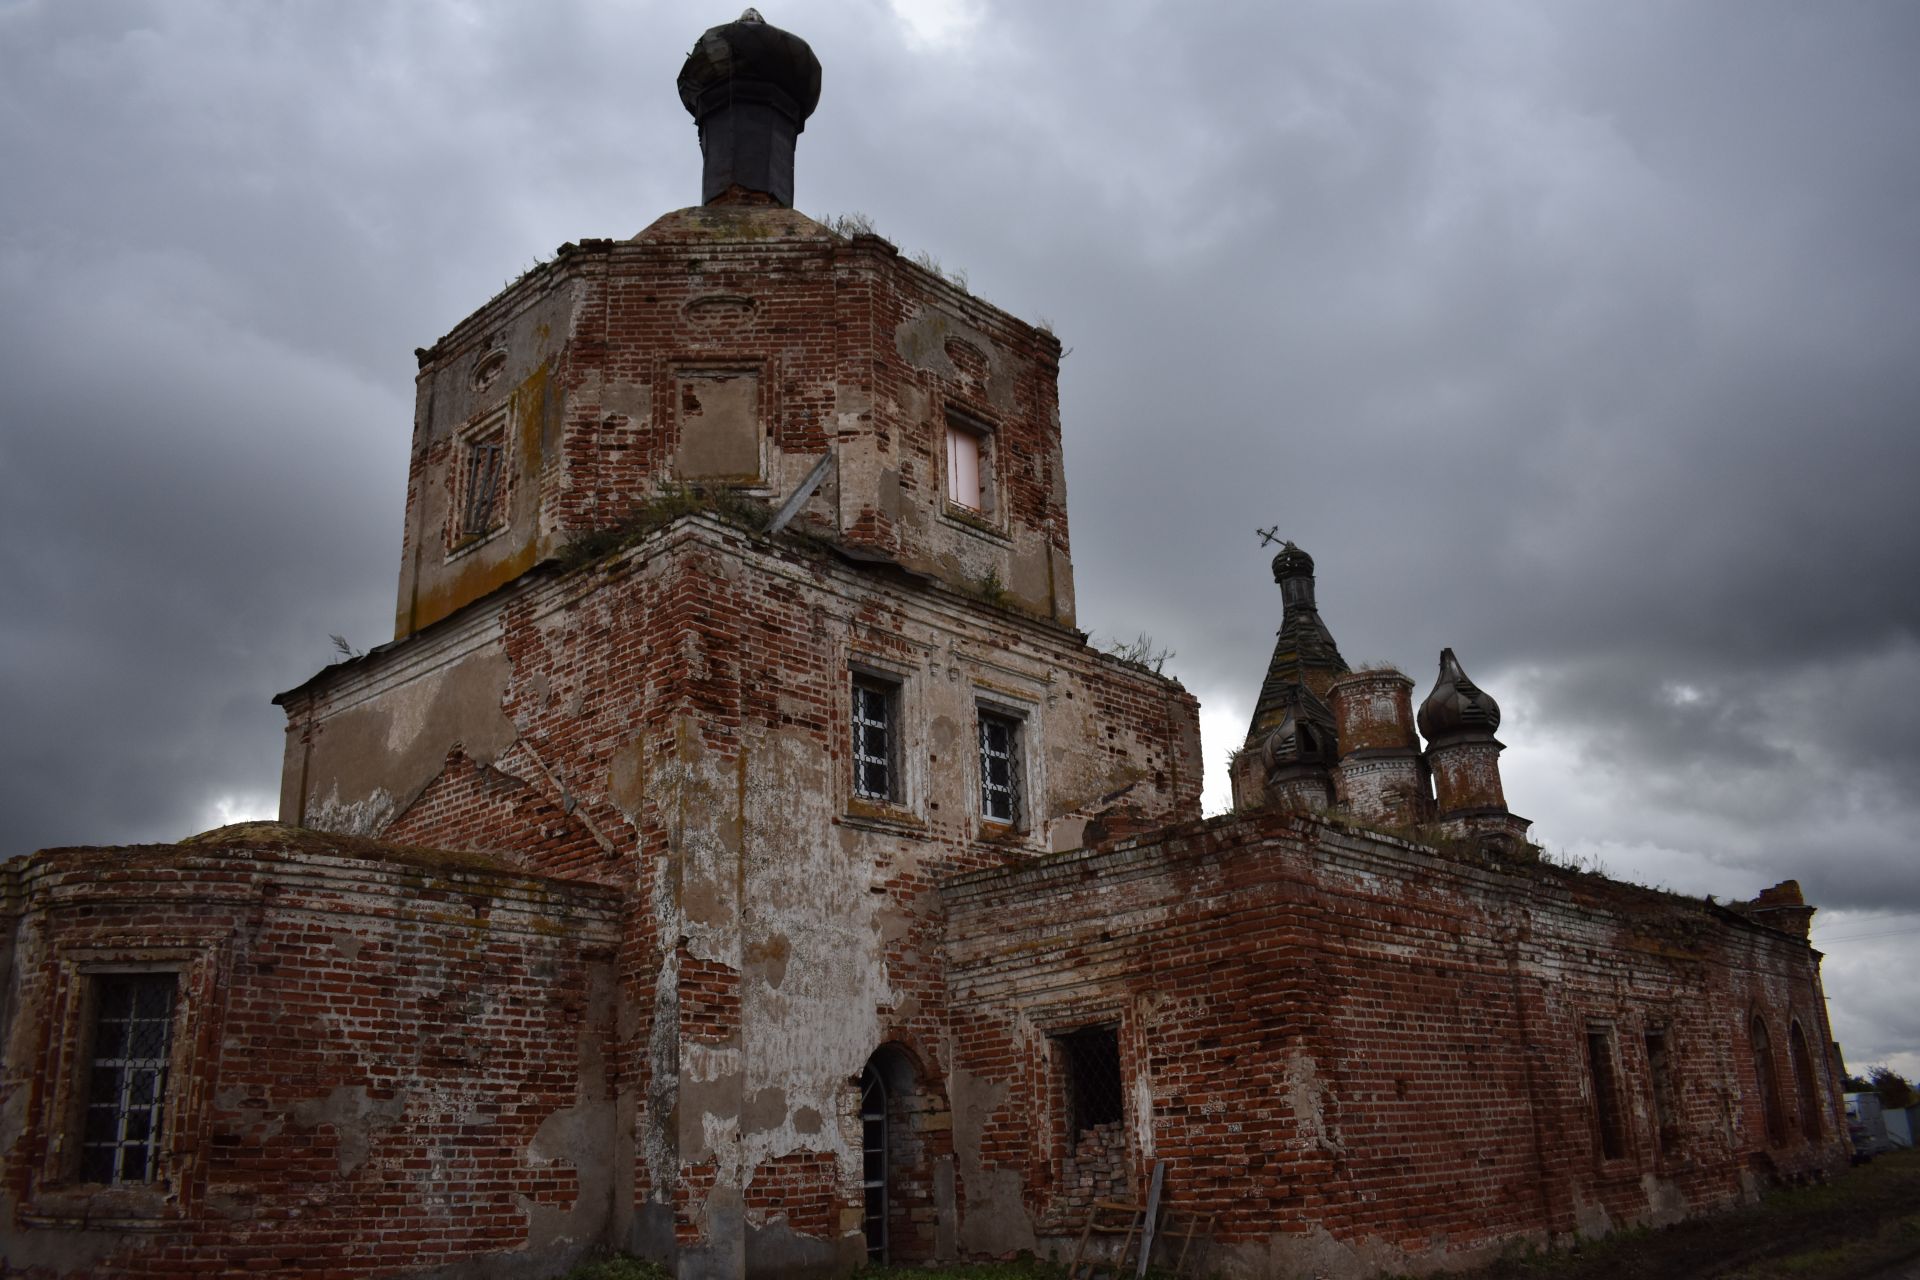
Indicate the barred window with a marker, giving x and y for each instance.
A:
(876, 718)
(483, 481)
(127, 1076)
(999, 768)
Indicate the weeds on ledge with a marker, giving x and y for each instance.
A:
(1138, 652)
(990, 590)
(671, 503)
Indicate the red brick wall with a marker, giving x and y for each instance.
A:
(1352, 1034)
(381, 1058)
(852, 346)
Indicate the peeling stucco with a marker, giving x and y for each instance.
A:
(997, 1221)
(369, 762)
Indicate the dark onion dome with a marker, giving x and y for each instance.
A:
(751, 50)
(1457, 707)
(1292, 562)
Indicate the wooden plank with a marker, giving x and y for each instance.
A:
(1153, 1211)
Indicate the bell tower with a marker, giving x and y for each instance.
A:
(738, 353)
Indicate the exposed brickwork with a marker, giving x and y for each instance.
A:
(415, 1041)
(689, 701)
(1336, 1031)
(477, 807)
(848, 346)
(648, 1006)
(1096, 1168)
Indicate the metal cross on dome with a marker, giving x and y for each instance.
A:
(1269, 536)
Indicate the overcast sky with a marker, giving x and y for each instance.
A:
(1584, 338)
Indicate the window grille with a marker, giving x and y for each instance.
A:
(127, 1080)
(873, 1148)
(1092, 1059)
(1000, 769)
(1606, 1094)
(875, 711)
(482, 509)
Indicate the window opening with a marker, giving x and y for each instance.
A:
(873, 1146)
(1606, 1093)
(999, 769)
(1666, 1116)
(1804, 1083)
(481, 510)
(127, 1078)
(1769, 1085)
(876, 707)
(969, 466)
(1092, 1078)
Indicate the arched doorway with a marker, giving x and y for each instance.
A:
(904, 1135)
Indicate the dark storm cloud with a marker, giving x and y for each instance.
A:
(1577, 337)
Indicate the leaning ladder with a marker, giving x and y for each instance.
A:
(1136, 1223)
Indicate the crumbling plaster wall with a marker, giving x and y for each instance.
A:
(827, 344)
(804, 909)
(382, 1059)
(689, 699)
(1364, 1055)
(510, 357)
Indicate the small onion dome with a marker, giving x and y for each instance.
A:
(1457, 707)
(753, 50)
(1304, 736)
(1292, 562)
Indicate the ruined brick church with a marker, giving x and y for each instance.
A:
(738, 858)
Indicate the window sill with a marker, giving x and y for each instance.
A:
(98, 1207)
(878, 815)
(1003, 834)
(467, 546)
(974, 522)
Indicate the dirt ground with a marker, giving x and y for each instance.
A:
(1864, 1225)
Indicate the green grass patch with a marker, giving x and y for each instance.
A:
(672, 502)
(620, 1267)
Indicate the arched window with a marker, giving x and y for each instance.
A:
(1768, 1083)
(1804, 1083)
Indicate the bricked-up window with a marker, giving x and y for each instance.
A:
(1091, 1057)
(969, 465)
(721, 429)
(1606, 1093)
(1803, 1082)
(1767, 1081)
(483, 482)
(1000, 768)
(876, 739)
(1666, 1110)
(127, 1076)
